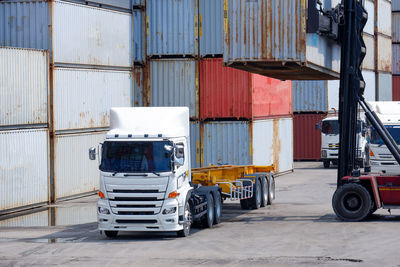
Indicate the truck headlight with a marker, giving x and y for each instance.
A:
(169, 210)
(103, 210)
(324, 154)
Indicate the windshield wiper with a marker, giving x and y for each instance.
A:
(156, 173)
(133, 174)
(114, 173)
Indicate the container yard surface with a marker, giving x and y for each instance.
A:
(299, 229)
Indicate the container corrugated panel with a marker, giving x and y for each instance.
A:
(396, 58)
(83, 97)
(174, 83)
(73, 215)
(396, 88)
(396, 27)
(384, 87)
(138, 2)
(171, 27)
(125, 5)
(139, 52)
(140, 95)
(369, 60)
(91, 37)
(370, 85)
(369, 27)
(273, 143)
(307, 139)
(384, 13)
(261, 35)
(23, 168)
(310, 96)
(24, 24)
(23, 86)
(195, 144)
(35, 219)
(74, 172)
(333, 95)
(225, 142)
(211, 19)
(395, 5)
(384, 54)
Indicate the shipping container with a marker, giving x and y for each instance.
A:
(24, 163)
(307, 139)
(395, 5)
(195, 144)
(172, 27)
(369, 60)
(261, 142)
(83, 97)
(119, 5)
(138, 3)
(230, 93)
(139, 36)
(384, 92)
(370, 85)
(90, 38)
(141, 97)
(310, 96)
(396, 88)
(174, 82)
(396, 58)
(370, 26)
(384, 24)
(269, 38)
(24, 86)
(333, 96)
(211, 19)
(74, 173)
(384, 53)
(396, 27)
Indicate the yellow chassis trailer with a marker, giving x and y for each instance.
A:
(236, 181)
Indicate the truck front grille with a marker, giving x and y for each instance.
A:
(136, 221)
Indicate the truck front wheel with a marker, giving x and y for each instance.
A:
(187, 221)
(351, 202)
(326, 164)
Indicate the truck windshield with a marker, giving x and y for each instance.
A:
(393, 130)
(131, 156)
(332, 127)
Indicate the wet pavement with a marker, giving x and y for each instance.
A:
(299, 229)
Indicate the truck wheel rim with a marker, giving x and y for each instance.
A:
(258, 195)
(188, 217)
(272, 189)
(265, 190)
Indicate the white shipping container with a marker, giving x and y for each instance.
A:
(273, 143)
(74, 172)
(24, 165)
(370, 85)
(384, 21)
(91, 36)
(83, 98)
(333, 96)
(384, 54)
(73, 215)
(369, 27)
(369, 60)
(23, 86)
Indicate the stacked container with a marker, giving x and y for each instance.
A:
(396, 50)
(88, 70)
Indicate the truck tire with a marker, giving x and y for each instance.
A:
(257, 195)
(351, 202)
(271, 190)
(187, 217)
(244, 204)
(265, 191)
(217, 207)
(326, 164)
(111, 234)
(208, 219)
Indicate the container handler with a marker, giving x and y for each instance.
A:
(146, 183)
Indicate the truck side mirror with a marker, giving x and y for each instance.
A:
(92, 153)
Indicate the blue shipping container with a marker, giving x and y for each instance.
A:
(138, 36)
(211, 19)
(195, 144)
(310, 96)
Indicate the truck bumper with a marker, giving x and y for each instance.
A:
(141, 223)
(386, 167)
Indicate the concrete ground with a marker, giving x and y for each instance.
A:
(299, 229)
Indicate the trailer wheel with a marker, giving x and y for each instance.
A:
(271, 189)
(257, 195)
(265, 191)
(217, 207)
(351, 202)
(111, 234)
(208, 220)
(326, 164)
(187, 217)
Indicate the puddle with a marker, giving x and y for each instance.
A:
(57, 240)
(52, 216)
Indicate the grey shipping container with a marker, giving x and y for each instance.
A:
(139, 36)
(396, 58)
(310, 96)
(140, 92)
(395, 5)
(384, 86)
(269, 38)
(195, 144)
(211, 19)
(396, 27)
(172, 27)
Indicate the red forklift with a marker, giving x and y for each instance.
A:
(358, 194)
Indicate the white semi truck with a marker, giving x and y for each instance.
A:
(146, 183)
(381, 158)
(330, 141)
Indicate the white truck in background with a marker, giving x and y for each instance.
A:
(330, 141)
(381, 158)
(146, 183)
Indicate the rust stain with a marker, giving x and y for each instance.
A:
(276, 144)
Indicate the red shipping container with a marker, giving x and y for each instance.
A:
(306, 139)
(230, 93)
(396, 88)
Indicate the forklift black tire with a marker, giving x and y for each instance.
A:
(111, 234)
(265, 191)
(244, 204)
(217, 206)
(271, 189)
(351, 202)
(257, 195)
(208, 219)
(326, 164)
